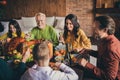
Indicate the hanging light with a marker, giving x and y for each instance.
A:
(3, 2)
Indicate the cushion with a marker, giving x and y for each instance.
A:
(59, 24)
(28, 23)
(58, 31)
(5, 24)
(59, 17)
(50, 20)
(26, 30)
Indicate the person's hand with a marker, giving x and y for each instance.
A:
(55, 66)
(28, 35)
(52, 64)
(26, 55)
(8, 40)
(82, 62)
(77, 49)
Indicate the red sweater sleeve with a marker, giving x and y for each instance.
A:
(110, 72)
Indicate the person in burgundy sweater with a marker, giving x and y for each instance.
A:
(108, 54)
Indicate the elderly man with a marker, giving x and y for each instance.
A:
(43, 31)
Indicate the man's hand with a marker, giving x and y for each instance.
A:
(82, 62)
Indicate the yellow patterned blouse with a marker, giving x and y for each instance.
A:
(81, 42)
(4, 36)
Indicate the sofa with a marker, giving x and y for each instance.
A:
(27, 23)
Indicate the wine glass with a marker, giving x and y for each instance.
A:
(60, 37)
(67, 58)
(28, 36)
(70, 47)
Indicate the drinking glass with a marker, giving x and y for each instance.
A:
(60, 36)
(70, 47)
(28, 36)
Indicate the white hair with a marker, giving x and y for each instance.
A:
(40, 14)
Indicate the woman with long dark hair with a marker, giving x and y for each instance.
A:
(74, 35)
(14, 30)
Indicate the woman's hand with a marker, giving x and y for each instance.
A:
(77, 49)
(8, 40)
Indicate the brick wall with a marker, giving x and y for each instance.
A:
(83, 9)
